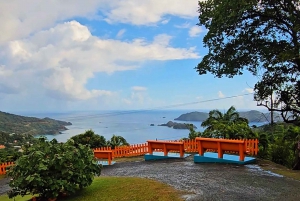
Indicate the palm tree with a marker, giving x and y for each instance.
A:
(117, 141)
(226, 125)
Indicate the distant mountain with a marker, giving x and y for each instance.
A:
(252, 116)
(11, 123)
(193, 116)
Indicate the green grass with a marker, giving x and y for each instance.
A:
(121, 188)
(279, 169)
(129, 159)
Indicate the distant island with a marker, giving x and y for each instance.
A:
(11, 123)
(176, 125)
(252, 116)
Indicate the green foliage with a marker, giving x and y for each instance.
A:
(15, 139)
(193, 134)
(228, 125)
(91, 139)
(17, 124)
(48, 168)
(9, 155)
(281, 153)
(278, 142)
(262, 37)
(116, 141)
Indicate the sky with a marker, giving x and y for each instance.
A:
(74, 55)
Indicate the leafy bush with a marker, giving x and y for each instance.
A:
(9, 154)
(90, 138)
(48, 168)
(117, 141)
(281, 153)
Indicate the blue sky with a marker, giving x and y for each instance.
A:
(108, 55)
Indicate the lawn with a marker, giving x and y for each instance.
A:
(279, 169)
(120, 188)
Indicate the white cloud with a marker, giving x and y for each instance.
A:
(138, 97)
(196, 31)
(120, 33)
(166, 21)
(249, 90)
(220, 94)
(19, 19)
(138, 88)
(199, 98)
(22, 18)
(59, 61)
(149, 12)
(183, 26)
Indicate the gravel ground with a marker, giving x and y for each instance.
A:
(4, 186)
(208, 182)
(212, 181)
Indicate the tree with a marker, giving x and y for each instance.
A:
(262, 37)
(116, 141)
(91, 139)
(193, 134)
(227, 125)
(48, 168)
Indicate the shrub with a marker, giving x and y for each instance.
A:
(281, 153)
(91, 139)
(48, 168)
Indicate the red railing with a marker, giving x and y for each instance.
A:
(127, 151)
(190, 146)
(3, 167)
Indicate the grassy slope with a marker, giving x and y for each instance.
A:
(11, 123)
(121, 188)
(279, 169)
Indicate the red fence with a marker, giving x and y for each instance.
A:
(190, 146)
(127, 151)
(3, 167)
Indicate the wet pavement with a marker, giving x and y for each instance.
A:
(212, 181)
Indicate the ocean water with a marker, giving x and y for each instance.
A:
(134, 126)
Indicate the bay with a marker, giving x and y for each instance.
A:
(134, 126)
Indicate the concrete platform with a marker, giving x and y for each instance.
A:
(210, 157)
(105, 163)
(160, 155)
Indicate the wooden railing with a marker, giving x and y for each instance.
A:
(3, 167)
(222, 145)
(127, 151)
(190, 146)
(166, 147)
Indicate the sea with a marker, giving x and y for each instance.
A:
(135, 126)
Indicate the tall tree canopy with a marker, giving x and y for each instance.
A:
(91, 139)
(117, 141)
(262, 37)
(226, 125)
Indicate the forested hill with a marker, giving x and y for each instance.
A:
(11, 123)
(252, 116)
